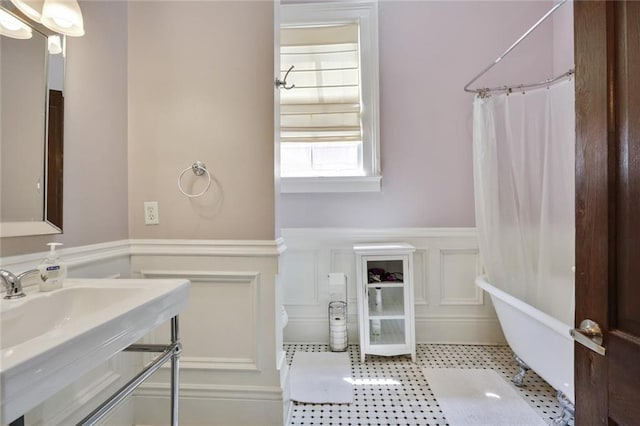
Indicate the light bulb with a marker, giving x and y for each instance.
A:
(31, 8)
(55, 45)
(11, 26)
(63, 16)
(64, 23)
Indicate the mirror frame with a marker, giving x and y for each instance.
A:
(44, 227)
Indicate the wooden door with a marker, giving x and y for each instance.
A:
(55, 157)
(607, 46)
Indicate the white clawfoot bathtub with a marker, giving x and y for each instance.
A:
(541, 341)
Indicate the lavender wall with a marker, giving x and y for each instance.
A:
(563, 38)
(428, 51)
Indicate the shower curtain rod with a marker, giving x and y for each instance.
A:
(486, 90)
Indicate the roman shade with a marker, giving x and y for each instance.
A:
(324, 105)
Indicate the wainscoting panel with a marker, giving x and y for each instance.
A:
(231, 365)
(297, 265)
(459, 267)
(449, 307)
(227, 302)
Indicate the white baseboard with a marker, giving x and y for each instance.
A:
(315, 330)
(211, 391)
(446, 330)
(218, 404)
(459, 330)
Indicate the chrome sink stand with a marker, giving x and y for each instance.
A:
(172, 351)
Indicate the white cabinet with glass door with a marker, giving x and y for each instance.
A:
(385, 299)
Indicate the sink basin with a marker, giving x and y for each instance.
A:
(48, 340)
(52, 311)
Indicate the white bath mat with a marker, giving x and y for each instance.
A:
(470, 397)
(321, 377)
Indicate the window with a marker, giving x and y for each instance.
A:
(329, 119)
(320, 127)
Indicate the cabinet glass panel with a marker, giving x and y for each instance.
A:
(386, 332)
(384, 271)
(386, 302)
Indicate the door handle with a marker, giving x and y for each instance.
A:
(590, 335)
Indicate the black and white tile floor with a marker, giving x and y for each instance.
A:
(396, 393)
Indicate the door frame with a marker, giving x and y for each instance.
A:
(593, 192)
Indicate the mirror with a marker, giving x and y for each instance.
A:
(31, 132)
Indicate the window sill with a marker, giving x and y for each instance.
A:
(330, 184)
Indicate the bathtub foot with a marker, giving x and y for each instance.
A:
(518, 378)
(568, 410)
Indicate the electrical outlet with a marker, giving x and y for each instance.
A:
(151, 216)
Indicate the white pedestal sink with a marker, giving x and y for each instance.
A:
(48, 340)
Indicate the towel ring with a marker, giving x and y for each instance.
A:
(198, 169)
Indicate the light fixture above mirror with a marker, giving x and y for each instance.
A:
(11, 26)
(31, 8)
(61, 16)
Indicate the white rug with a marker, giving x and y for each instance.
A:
(321, 377)
(470, 397)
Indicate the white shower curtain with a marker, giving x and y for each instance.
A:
(524, 195)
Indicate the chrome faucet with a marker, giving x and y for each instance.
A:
(13, 284)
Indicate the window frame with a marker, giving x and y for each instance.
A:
(365, 12)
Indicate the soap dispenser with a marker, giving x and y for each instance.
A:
(53, 271)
